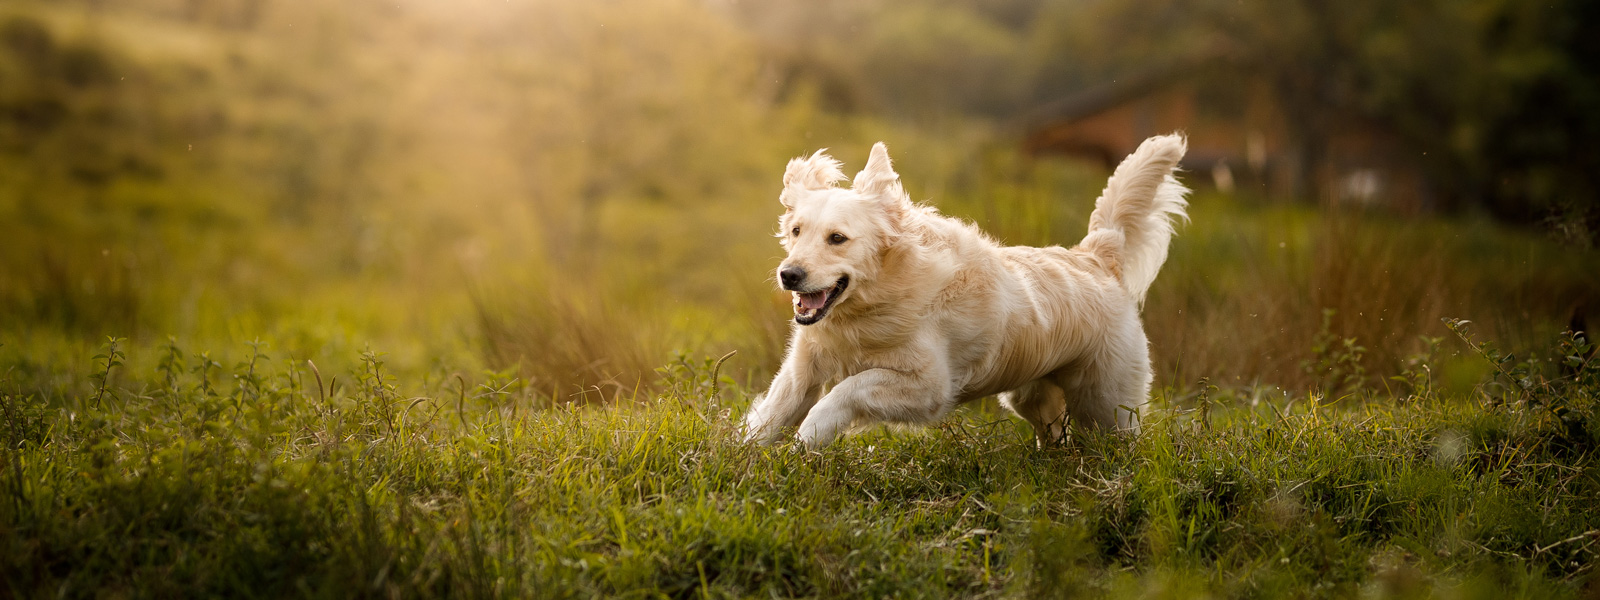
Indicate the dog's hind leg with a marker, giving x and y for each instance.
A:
(1109, 387)
(1106, 394)
(1043, 405)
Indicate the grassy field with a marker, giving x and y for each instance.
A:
(270, 478)
(417, 302)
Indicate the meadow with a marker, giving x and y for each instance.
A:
(336, 301)
(272, 478)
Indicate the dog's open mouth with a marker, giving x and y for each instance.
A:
(812, 306)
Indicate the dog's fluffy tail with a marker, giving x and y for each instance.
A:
(1140, 202)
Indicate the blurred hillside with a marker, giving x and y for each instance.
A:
(574, 190)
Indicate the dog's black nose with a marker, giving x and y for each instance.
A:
(791, 277)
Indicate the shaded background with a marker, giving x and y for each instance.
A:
(574, 193)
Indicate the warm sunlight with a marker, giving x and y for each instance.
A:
(483, 297)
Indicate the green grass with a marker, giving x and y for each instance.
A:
(526, 254)
(191, 478)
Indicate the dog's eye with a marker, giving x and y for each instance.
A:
(795, 231)
(837, 238)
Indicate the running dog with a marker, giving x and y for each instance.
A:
(902, 313)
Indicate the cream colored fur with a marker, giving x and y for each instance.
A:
(935, 313)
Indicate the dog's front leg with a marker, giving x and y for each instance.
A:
(880, 395)
(794, 390)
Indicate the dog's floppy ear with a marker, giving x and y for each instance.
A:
(879, 178)
(820, 171)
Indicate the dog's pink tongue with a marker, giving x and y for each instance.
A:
(813, 300)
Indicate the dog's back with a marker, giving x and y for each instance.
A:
(1066, 300)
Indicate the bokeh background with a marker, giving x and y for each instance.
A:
(572, 194)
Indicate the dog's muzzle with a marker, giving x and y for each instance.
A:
(810, 307)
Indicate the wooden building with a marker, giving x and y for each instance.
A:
(1240, 137)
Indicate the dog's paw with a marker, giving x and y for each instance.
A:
(758, 429)
(762, 434)
(763, 438)
(752, 435)
(817, 433)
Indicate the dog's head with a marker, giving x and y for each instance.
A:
(836, 236)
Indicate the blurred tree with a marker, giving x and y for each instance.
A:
(1496, 97)
(911, 60)
(634, 100)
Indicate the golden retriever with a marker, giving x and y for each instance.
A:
(902, 313)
